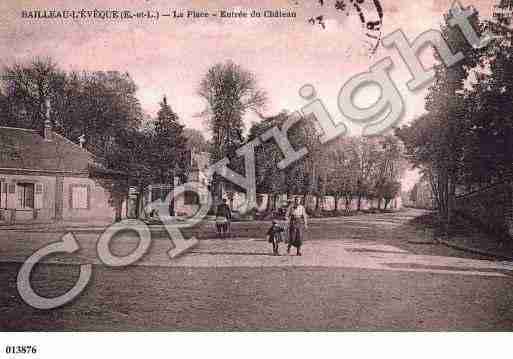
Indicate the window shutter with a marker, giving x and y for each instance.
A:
(80, 197)
(11, 196)
(38, 197)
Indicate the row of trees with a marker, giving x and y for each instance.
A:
(104, 108)
(465, 139)
(346, 168)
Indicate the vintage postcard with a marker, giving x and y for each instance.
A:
(244, 165)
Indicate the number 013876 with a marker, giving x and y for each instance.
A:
(20, 349)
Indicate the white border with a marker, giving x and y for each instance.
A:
(261, 345)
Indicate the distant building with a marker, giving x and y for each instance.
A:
(189, 202)
(46, 177)
(421, 196)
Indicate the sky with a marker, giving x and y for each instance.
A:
(170, 56)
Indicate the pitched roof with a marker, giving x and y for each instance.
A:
(28, 150)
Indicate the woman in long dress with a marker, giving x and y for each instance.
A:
(298, 222)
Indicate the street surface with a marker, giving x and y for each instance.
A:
(367, 272)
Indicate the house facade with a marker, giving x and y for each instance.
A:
(46, 178)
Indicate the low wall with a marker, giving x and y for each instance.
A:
(491, 207)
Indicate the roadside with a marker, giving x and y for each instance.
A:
(466, 236)
(414, 230)
(206, 224)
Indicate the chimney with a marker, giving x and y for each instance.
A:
(82, 141)
(47, 134)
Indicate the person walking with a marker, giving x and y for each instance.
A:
(223, 218)
(274, 234)
(298, 222)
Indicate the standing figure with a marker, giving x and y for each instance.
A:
(223, 218)
(298, 222)
(274, 234)
(286, 211)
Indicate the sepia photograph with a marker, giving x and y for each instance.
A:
(255, 166)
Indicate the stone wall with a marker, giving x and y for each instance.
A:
(491, 207)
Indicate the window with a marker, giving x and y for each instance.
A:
(79, 197)
(25, 195)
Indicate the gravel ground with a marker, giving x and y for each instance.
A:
(287, 298)
(357, 273)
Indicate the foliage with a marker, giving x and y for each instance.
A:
(104, 108)
(195, 140)
(230, 92)
(168, 145)
(99, 105)
(465, 138)
(344, 168)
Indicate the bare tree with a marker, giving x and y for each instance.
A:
(230, 92)
(27, 89)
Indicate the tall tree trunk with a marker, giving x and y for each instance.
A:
(171, 195)
(336, 203)
(451, 196)
(443, 191)
(268, 207)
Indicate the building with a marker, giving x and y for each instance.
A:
(46, 177)
(421, 195)
(187, 203)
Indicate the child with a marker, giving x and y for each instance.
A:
(274, 234)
